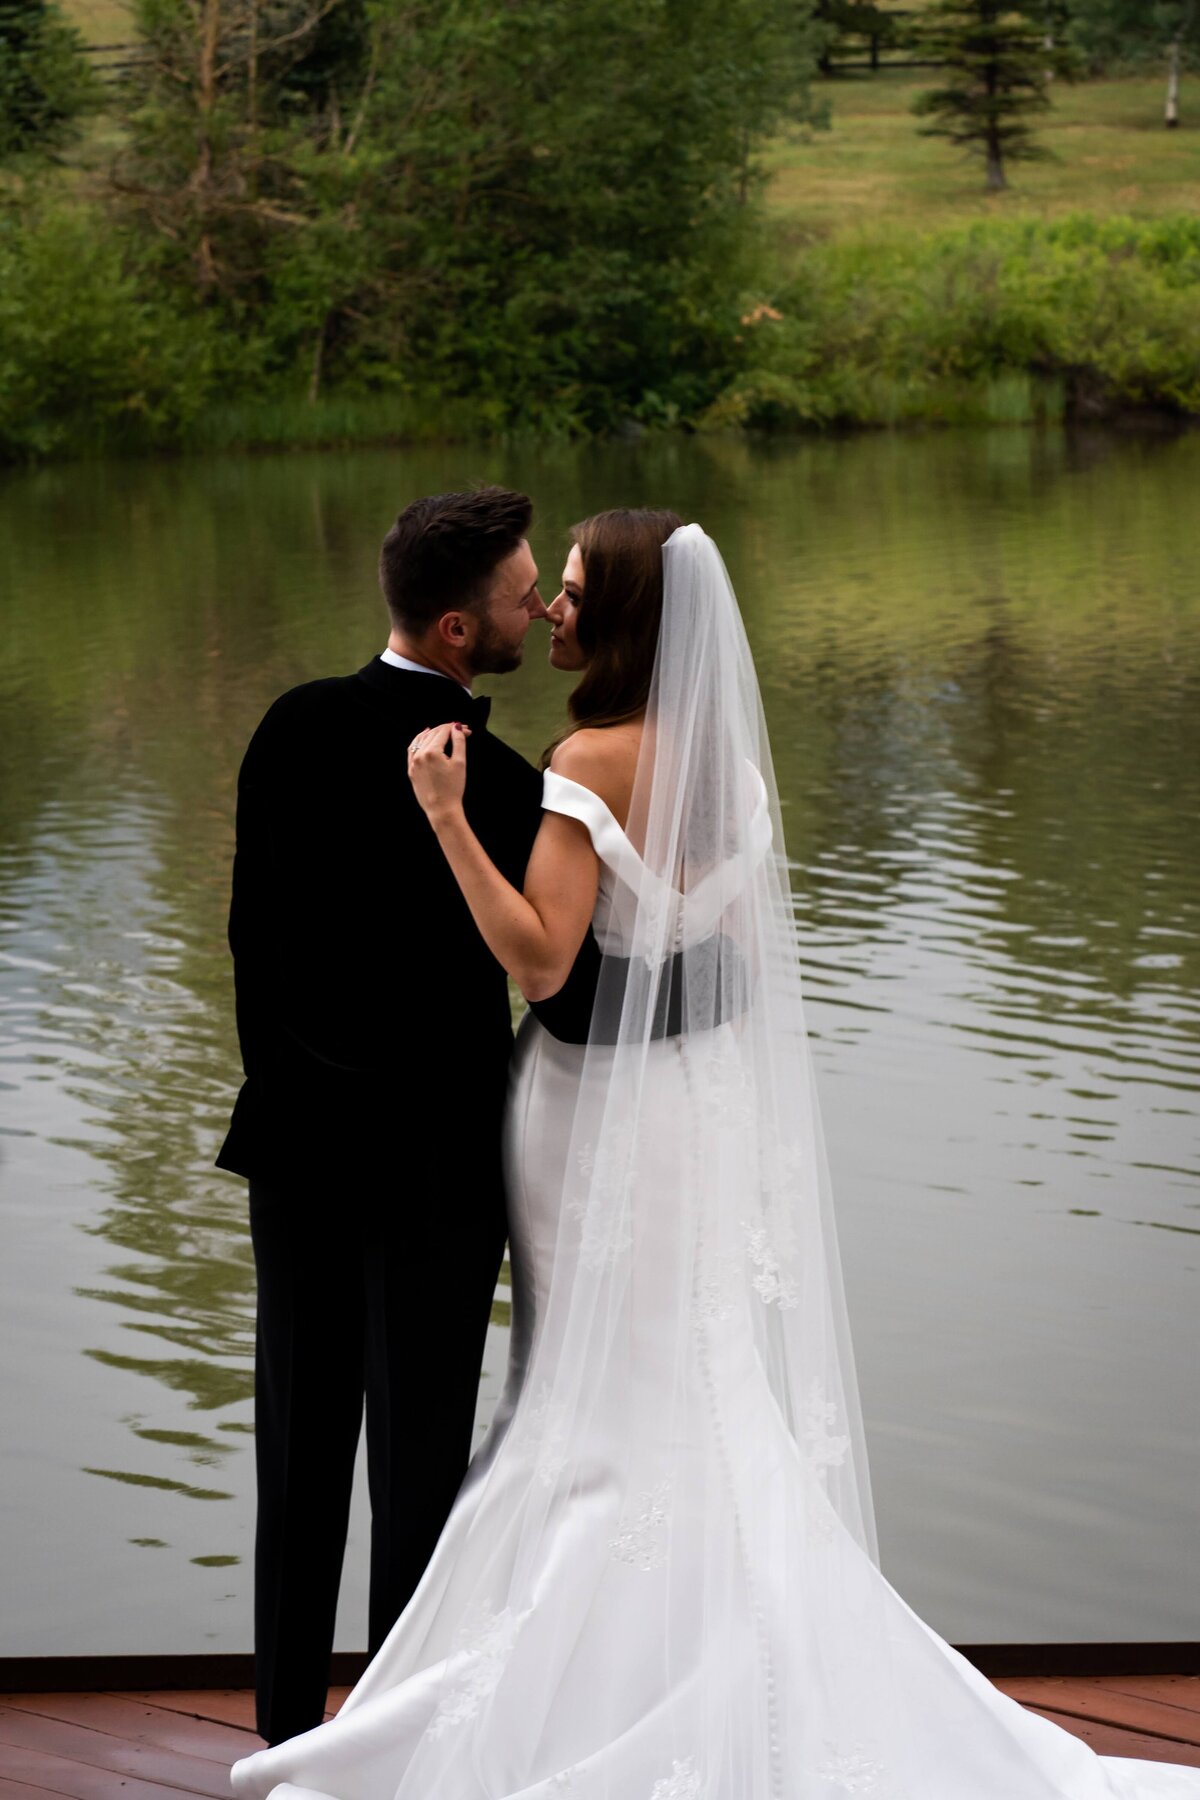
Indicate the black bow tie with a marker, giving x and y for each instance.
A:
(475, 712)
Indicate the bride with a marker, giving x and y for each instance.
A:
(660, 1578)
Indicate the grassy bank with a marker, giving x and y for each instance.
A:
(292, 422)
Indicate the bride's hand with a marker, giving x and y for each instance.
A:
(438, 777)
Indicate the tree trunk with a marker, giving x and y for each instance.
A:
(210, 35)
(996, 178)
(995, 158)
(252, 72)
(1050, 35)
(314, 380)
(364, 97)
(1174, 65)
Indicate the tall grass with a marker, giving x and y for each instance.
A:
(293, 422)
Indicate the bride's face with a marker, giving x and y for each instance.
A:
(563, 614)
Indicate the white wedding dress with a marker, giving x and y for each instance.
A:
(659, 1580)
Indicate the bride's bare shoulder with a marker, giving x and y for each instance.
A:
(604, 759)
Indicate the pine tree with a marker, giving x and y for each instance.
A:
(45, 83)
(997, 61)
(227, 108)
(847, 24)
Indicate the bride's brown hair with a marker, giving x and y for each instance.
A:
(619, 614)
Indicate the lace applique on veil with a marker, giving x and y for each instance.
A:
(641, 1541)
(683, 1783)
(483, 1645)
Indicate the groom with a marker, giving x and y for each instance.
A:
(375, 1037)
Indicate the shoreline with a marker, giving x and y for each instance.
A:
(1122, 418)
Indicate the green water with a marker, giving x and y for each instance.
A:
(980, 657)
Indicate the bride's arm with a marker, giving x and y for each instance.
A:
(535, 935)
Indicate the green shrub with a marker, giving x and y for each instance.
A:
(1002, 321)
(881, 332)
(86, 361)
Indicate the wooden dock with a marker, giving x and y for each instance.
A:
(164, 1745)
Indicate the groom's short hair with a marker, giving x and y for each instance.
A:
(444, 549)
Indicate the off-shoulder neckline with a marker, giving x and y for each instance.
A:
(709, 882)
(593, 795)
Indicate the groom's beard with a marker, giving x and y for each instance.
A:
(490, 655)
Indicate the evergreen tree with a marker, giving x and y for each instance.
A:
(1138, 31)
(846, 24)
(326, 75)
(1056, 17)
(45, 83)
(997, 61)
(228, 100)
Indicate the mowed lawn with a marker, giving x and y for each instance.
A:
(103, 24)
(101, 21)
(872, 170)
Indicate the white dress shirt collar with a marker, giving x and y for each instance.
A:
(390, 657)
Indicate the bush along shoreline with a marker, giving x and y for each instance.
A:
(1005, 321)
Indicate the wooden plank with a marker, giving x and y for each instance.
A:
(1174, 1690)
(1105, 1706)
(23, 1790)
(161, 1746)
(98, 1750)
(229, 1706)
(139, 1723)
(58, 1775)
(1110, 1740)
(335, 1701)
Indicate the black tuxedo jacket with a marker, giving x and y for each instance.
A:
(368, 1005)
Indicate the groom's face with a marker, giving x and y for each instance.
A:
(504, 618)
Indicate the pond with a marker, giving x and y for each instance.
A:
(980, 656)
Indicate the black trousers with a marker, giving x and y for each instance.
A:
(378, 1297)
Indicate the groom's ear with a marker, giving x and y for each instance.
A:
(452, 629)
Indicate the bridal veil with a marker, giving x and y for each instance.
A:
(688, 1428)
